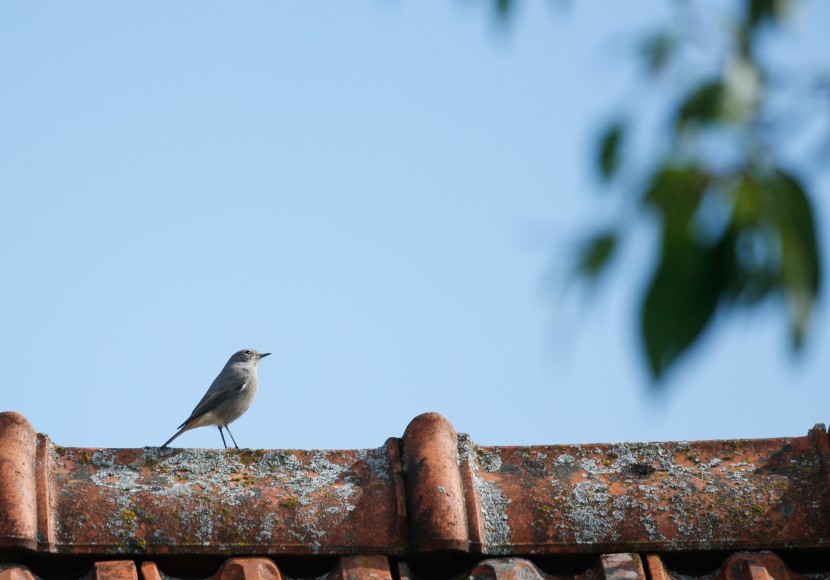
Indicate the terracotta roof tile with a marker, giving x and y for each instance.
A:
(410, 505)
(624, 566)
(113, 570)
(15, 572)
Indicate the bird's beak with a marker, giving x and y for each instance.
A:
(263, 355)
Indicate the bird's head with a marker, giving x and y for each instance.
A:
(247, 355)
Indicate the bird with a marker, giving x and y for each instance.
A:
(230, 395)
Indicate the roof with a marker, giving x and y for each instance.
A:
(428, 504)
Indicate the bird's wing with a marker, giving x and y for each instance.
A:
(214, 398)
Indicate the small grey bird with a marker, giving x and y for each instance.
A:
(230, 395)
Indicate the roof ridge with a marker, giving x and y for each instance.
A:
(429, 492)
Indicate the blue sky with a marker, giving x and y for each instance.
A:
(384, 194)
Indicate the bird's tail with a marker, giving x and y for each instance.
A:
(182, 428)
(169, 441)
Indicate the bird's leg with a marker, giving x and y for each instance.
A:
(223, 437)
(232, 439)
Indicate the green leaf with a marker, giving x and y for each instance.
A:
(792, 212)
(684, 293)
(703, 105)
(596, 254)
(748, 206)
(757, 254)
(608, 159)
(761, 11)
(503, 7)
(676, 192)
(658, 50)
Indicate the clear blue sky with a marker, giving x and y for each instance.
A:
(376, 192)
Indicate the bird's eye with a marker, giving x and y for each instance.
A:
(248, 352)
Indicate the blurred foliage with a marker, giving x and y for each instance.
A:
(736, 223)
